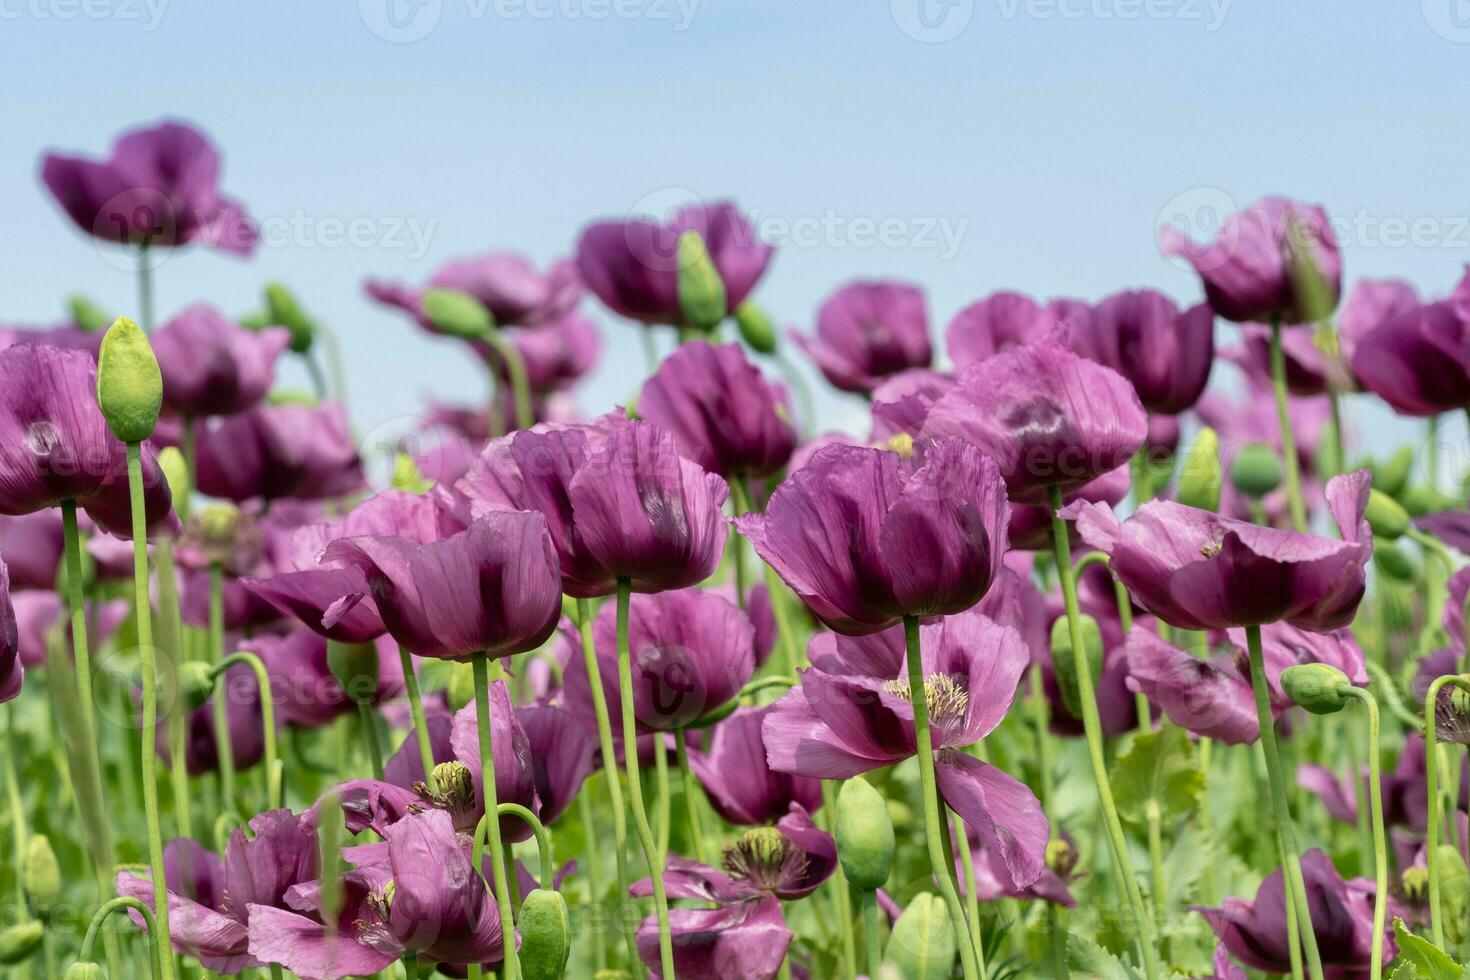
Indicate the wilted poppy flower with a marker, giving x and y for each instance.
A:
(999, 322)
(633, 266)
(419, 893)
(725, 415)
(745, 936)
(210, 900)
(691, 651)
(868, 331)
(31, 544)
(12, 673)
(212, 366)
(513, 291)
(741, 786)
(272, 451)
(307, 693)
(1047, 416)
(1164, 353)
(492, 588)
(837, 725)
(157, 188)
(1197, 570)
(1251, 270)
(1417, 361)
(1341, 913)
(865, 538)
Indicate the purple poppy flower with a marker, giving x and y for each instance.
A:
(419, 893)
(740, 785)
(865, 538)
(745, 937)
(1309, 369)
(506, 284)
(838, 725)
(209, 898)
(725, 415)
(212, 366)
(1341, 914)
(633, 266)
(1162, 440)
(559, 353)
(1164, 353)
(157, 188)
(691, 652)
(38, 612)
(1197, 570)
(272, 451)
(999, 322)
(867, 331)
(1417, 361)
(31, 544)
(992, 880)
(1369, 305)
(1023, 408)
(68, 336)
(1250, 270)
(902, 403)
(246, 727)
(646, 514)
(492, 588)
(307, 693)
(12, 671)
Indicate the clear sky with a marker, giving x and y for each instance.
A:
(1029, 144)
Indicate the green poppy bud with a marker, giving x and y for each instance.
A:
(19, 942)
(546, 939)
(1393, 562)
(922, 944)
(282, 310)
(86, 971)
(1201, 477)
(195, 682)
(42, 876)
(407, 476)
(1386, 516)
(1256, 470)
(1065, 664)
(457, 314)
(129, 384)
(1392, 475)
(87, 315)
(355, 665)
(864, 834)
(756, 329)
(461, 687)
(176, 472)
(1421, 499)
(701, 290)
(1320, 688)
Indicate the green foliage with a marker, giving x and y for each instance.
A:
(1427, 960)
(922, 946)
(1159, 769)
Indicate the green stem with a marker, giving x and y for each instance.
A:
(663, 817)
(691, 796)
(1288, 437)
(99, 918)
(1380, 846)
(145, 289)
(17, 815)
(416, 709)
(543, 839)
(1092, 726)
(934, 823)
(146, 653)
(1339, 454)
(221, 708)
(369, 726)
(171, 635)
(1436, 802)
(610, 770)
(872, 931)
(594, 880)
(515, 367)
(1431, 458)
(487, 783)
(1056, 941)
(1291, 856)
(1207, 821)
(1040, 711)
(651, 853)
(1156, 858)
(972, 899)
(267, 718)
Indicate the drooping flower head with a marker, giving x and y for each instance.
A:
(1164, 353)
(212, 366)
(867, 331)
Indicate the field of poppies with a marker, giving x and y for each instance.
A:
(1071, 664)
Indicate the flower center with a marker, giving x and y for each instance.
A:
(454, 792)
(765, 859)
(946, 698)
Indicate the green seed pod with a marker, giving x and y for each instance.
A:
(461, 687)
(19, 942)
(457, 314)
(195, 682)
(355, 665)
(282, 310)
(1385, 515)
(1201, 477)
(1392, 475)
(546, 939)
(407, 476)
(1393, 562)
(176, 472)
(922, 946)
(1320, 688)
(86, 314)
(756, 328)
(42, 877)
(86, 971)
(864, 834)
(701, 290)
(1065, 664)
(1256, 470)
(129, 384)
(1061, 857)
(1421, 499)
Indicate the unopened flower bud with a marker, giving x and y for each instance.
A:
(42, 876)
(1320, 688)
(176, 471)
(1201, 477)
(195, 682)
(922, 943)
(129, 384)
(864, 835)
(1393, 562)
(1064, 663)
(1386, 516)
(701, 290)
(457, 314)
(1421, 499)
(546, 938)
(19, 942)
(86, 314)
(1392, 475)
(1256, 470)
(282, 310)
(86, 971)
(355, 665)
(756, 328)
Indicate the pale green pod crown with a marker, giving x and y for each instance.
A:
(457, 314)
(864, 833)
(1201, 478)
(129, 384)
(701, 290)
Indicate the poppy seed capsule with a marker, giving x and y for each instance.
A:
(864, 833)
(701, 290)
(756, 328)
(1386, 516)
(1320, 688)
(85, 971)
(355, 665)
(19, 942)
(129, 383)
(1065, 664)
(42, 876)
(1256, 470)
(1201, 477)
(457, 314)
(546, 939)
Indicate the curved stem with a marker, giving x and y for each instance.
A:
(1288, 437)
(1380, 846)
(487, 783)
(1092, 726)
(267, 718)
(420, 723)
(610, 770)
(100, 917)
(635, 786)
(934, 823)
(224, 825)
(144, 622)
(1436, 803)
(1086, 561)
(691, 798)
(543, 839)
(221, 707)
(1291, 856)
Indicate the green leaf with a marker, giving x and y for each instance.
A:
(1430, 962)
(1089, 959)
(1159, 768)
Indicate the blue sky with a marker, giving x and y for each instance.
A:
(1046, 138)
